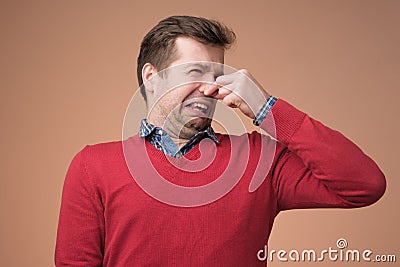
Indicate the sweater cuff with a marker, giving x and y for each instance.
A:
(283, 121)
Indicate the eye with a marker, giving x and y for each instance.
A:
(217, 74)
(195, 71)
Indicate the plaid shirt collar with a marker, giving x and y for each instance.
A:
(160, 139)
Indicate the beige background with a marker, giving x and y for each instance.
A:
(68, 72)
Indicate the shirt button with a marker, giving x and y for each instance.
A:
(160, 132)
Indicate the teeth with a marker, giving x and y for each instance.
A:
(201, 106)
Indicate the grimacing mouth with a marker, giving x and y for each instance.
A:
(202, 104)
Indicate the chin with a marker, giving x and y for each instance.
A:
(200, 123)
(194, 126)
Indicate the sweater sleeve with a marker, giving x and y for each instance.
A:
(317, 166)
(80, 235)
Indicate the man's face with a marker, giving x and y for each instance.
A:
(182, 110)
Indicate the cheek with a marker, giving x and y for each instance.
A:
(179, 94)
(168, 102)
(171, 99)
(186, 90)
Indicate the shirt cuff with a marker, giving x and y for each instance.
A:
(265, 109)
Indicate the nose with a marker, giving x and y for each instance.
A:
(209, 87)
(208, 83)
(209, 77)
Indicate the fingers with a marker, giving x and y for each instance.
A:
(232, 100)
(220, 83)
(223, 91)
(209, 89)
(226, 79)
(229, 89)
(214, 90)
(238, 90)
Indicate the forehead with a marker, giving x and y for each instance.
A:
(188, 49)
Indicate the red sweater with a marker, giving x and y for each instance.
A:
(106, 219)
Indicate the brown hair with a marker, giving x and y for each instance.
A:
(158, 46)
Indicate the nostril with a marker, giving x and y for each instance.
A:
(214, 93)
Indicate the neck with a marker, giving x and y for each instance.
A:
(179, 142)
(171, 131)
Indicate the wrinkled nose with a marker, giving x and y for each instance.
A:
(207, 81)
(209, 87)
(207, 77)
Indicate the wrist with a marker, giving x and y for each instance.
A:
(265, 109)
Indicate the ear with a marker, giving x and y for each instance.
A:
(148, 71)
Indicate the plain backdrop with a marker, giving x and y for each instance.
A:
(67, 73)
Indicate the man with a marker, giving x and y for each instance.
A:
(111, 214)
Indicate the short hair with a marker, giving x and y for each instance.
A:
(158, 46)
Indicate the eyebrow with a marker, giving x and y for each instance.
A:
(206, 66)
(203, 66)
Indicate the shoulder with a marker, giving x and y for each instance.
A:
(107, 149)
(254, 140)
(101, 164)
(101, 154)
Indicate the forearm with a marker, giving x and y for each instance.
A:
(335, 172)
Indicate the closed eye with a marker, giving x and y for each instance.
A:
(195, 71)
(217, 74)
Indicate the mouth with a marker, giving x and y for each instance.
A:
(197, 107)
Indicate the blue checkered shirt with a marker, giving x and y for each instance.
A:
(161, 140)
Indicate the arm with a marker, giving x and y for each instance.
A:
(315, 166)
(319, 167)
(80, 236)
